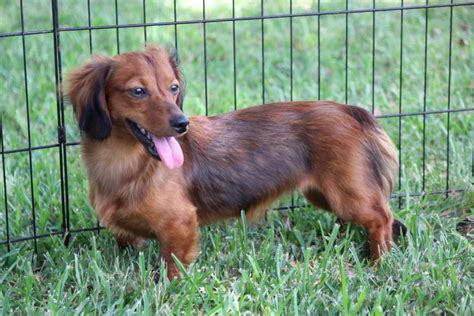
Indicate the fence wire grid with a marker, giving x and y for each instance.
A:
(44, 190)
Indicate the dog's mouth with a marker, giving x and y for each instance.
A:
(166, 149)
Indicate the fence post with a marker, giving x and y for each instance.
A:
(61, 128)
(4, 185)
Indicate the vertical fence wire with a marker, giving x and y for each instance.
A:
(291, 75)
(319, 49)
(5, 194)
(346, 83)
(89, 23)
(28, 126)
(263, 49)
(291, 50)
(400, 101)
(63, 127)
(175, 18)
(117, 34)
(204, 39)
(63, 140)
(373, 58)
(425, 87)
(450, 49)
(144, 21)
(234, 56)
(59, 123)
(61, 132)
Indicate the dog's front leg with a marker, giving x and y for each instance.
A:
(179, 237)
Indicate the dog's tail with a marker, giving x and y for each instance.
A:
(389, 160)
(380, 152)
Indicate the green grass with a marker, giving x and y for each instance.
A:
(294, 262)
(316, 266)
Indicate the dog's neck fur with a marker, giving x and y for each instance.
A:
(115, 161)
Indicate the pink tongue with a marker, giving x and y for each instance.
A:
(169, 150)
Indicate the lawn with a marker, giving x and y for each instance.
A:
(297, 260)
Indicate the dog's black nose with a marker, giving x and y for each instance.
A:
(179, 124)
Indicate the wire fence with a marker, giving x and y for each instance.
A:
(60, 148)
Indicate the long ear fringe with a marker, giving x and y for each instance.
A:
(86, 91)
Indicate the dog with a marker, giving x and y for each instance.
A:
(154, 173)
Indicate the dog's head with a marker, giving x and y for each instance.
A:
(140, 92)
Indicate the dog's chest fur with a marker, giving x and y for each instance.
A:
(130, 188)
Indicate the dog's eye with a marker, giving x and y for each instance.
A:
(138, 92)
(174, 89)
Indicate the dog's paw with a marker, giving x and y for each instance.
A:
(398, 229)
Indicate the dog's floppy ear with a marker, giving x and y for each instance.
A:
(86, 91)
(174, 61)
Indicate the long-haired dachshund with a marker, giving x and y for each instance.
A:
(156, 174)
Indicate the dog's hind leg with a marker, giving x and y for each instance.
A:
(364, 207)
(378, 222)
(374, 215)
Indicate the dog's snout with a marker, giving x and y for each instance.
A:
(179, 124)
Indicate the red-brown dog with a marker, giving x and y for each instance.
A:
(154, 174)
